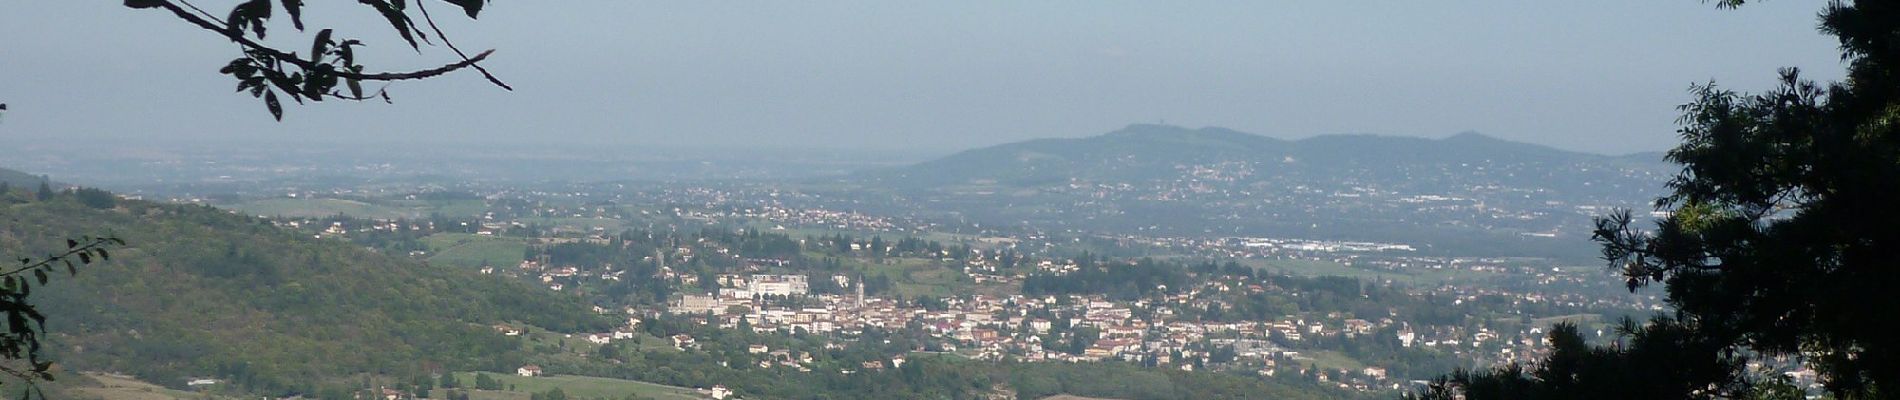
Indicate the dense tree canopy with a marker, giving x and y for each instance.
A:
(1783, 232)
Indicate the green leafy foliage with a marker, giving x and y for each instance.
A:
(1663, 359)
(1783, 238)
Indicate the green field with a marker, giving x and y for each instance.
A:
(946, 238)
(578, 345)
(288, 207)
(934, 282)
(609, 224)
(114, 387)
(1329, 268)
(324, 207)
(1329, 359)
(918, 276)
(455, 208)
(1310, 268)
(575, 387)
(469, 250)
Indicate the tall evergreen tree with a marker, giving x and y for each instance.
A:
(46, 190)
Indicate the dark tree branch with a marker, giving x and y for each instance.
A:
(458, 51)
(200, 11)
(315, 67)
(89, 247)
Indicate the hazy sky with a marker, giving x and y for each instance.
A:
(1600, 76)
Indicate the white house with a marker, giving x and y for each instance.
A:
(528, 370)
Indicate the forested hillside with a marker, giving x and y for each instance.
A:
(200, 291)
(18, 179)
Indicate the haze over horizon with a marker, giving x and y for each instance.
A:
(1600, 78)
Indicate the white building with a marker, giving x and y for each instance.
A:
(779, 285)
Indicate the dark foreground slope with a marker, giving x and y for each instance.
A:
(201, 292)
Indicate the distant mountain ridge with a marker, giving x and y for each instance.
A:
(1148, 151)
(1467, 194)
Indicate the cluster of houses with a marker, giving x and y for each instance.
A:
(1023, 328)
(1042, 329)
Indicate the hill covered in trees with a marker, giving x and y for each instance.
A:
(17, 179)
(1467, 194)
(202, 292)
(1142, 152)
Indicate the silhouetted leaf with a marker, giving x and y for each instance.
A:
(233, 66)
(251, 13)
(288, 84)
(320, 45)
(143, 3)
(346, 52)
(276, 108)
(295, 9)
(471, 7)
(396, 19)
